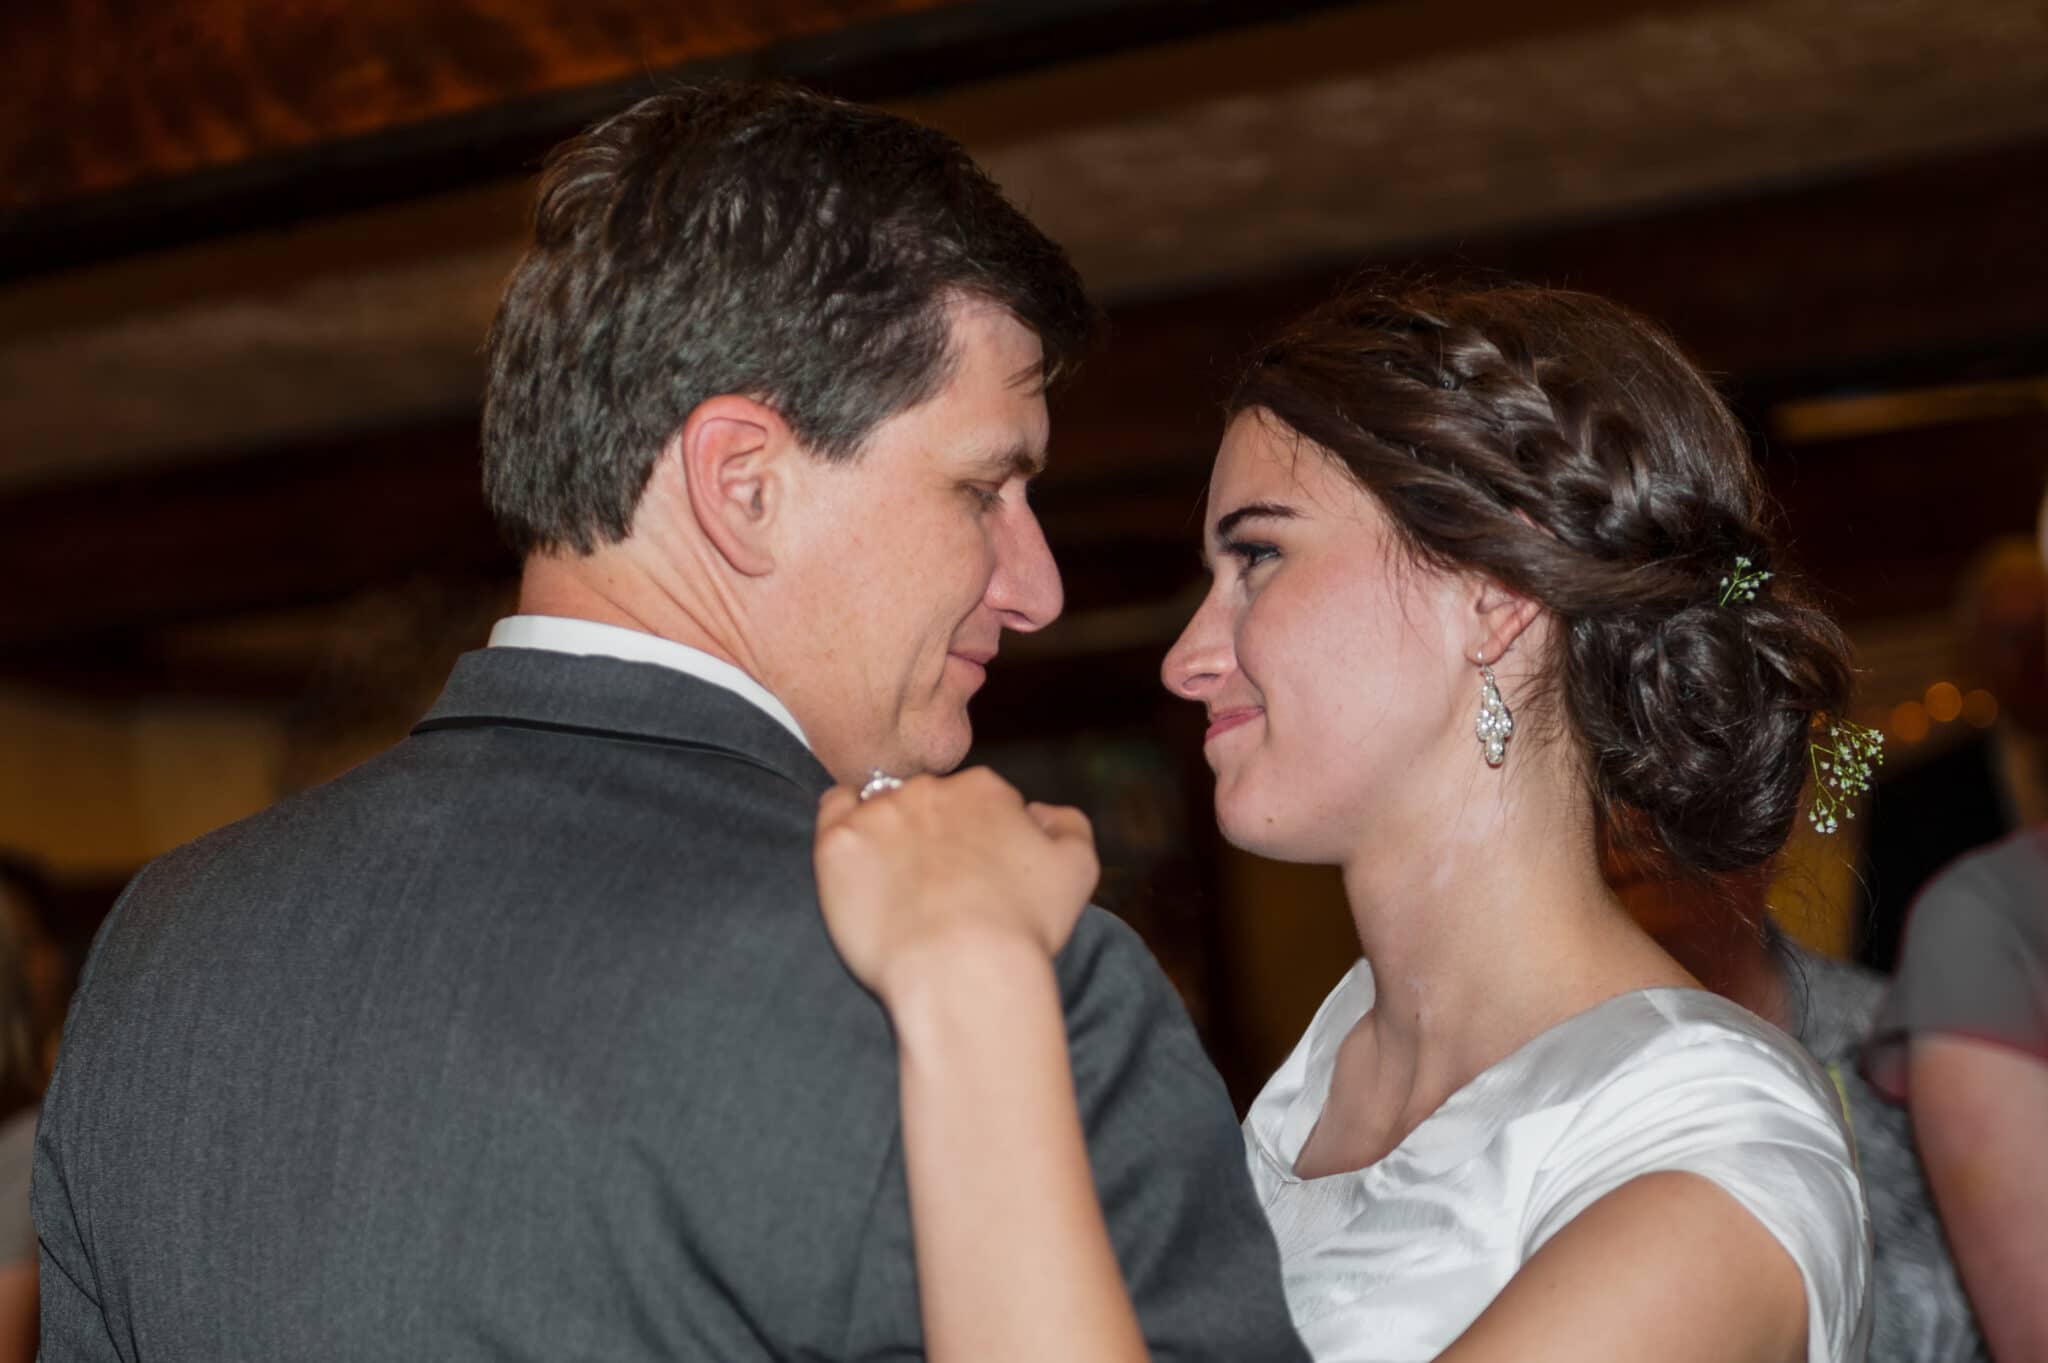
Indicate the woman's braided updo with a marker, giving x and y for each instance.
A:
(1562, 446)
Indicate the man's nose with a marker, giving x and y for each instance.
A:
(1025, 589)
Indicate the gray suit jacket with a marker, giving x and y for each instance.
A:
(524, 1040)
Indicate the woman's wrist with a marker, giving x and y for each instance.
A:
(939, 992)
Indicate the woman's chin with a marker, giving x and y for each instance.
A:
(1277, 830)
(1247, 827)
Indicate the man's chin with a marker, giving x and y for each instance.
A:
(939, 750)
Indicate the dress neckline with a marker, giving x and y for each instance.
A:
(1350, 1001)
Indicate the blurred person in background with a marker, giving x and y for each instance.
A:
(29, 971)
(1720, 929)
(524, 1039)
(1962, 1040)
(1927, 812)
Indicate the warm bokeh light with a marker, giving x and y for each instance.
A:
(1908, 722)
(1980, 709)
(1944, 701)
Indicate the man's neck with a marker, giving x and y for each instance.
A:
(609, 588)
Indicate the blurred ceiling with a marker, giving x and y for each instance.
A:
(1335, 136)
(249, 269)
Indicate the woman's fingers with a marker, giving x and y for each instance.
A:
(974, 807)
(1073, 853)
(836, 805)
(919, 864)
(1061, 821)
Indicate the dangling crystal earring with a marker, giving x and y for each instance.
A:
(1495, 723)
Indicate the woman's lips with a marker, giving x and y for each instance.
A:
(1225, 720)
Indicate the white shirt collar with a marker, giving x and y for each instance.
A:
(589, 638)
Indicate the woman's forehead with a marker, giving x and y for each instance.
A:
(1255, 454)
(1262, 460)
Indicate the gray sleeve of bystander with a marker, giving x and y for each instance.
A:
(1974, 962)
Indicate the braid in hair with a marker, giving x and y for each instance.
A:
(1558, 444)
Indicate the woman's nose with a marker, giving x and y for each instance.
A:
(1203, 654)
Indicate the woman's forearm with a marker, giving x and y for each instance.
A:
(1013, 1257)
(1979, 1110)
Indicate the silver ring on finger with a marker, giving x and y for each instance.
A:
(880, 783)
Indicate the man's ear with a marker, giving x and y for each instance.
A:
(733, 454)
(1501, 618)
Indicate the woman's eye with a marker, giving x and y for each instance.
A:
(1251, 553)
(987, 498)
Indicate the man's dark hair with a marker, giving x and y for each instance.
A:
(755, 239)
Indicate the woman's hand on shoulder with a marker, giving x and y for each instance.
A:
(944, 865)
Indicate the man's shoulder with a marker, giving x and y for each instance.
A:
(1106, 970)
(1168, 1156)
(641, 856)
(1124, 1014)
(1101, 940)
(656, 927)
(445, 789)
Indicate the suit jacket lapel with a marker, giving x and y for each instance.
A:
(610, 698)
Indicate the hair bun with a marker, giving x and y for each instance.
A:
(1560, 445)
(1701, 719)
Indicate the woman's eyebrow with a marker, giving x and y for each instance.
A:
(1251, 511)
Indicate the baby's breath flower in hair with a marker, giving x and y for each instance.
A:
(1741, 585)
(1842, 762)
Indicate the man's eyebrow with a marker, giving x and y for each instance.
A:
(1031, 377)
(1019, 461)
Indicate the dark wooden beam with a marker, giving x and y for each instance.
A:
(125, 129)
(1924, 273)
(1913, 275)
(1863, 278)
(148, 93)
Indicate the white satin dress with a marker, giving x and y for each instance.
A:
(1391, 1263)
